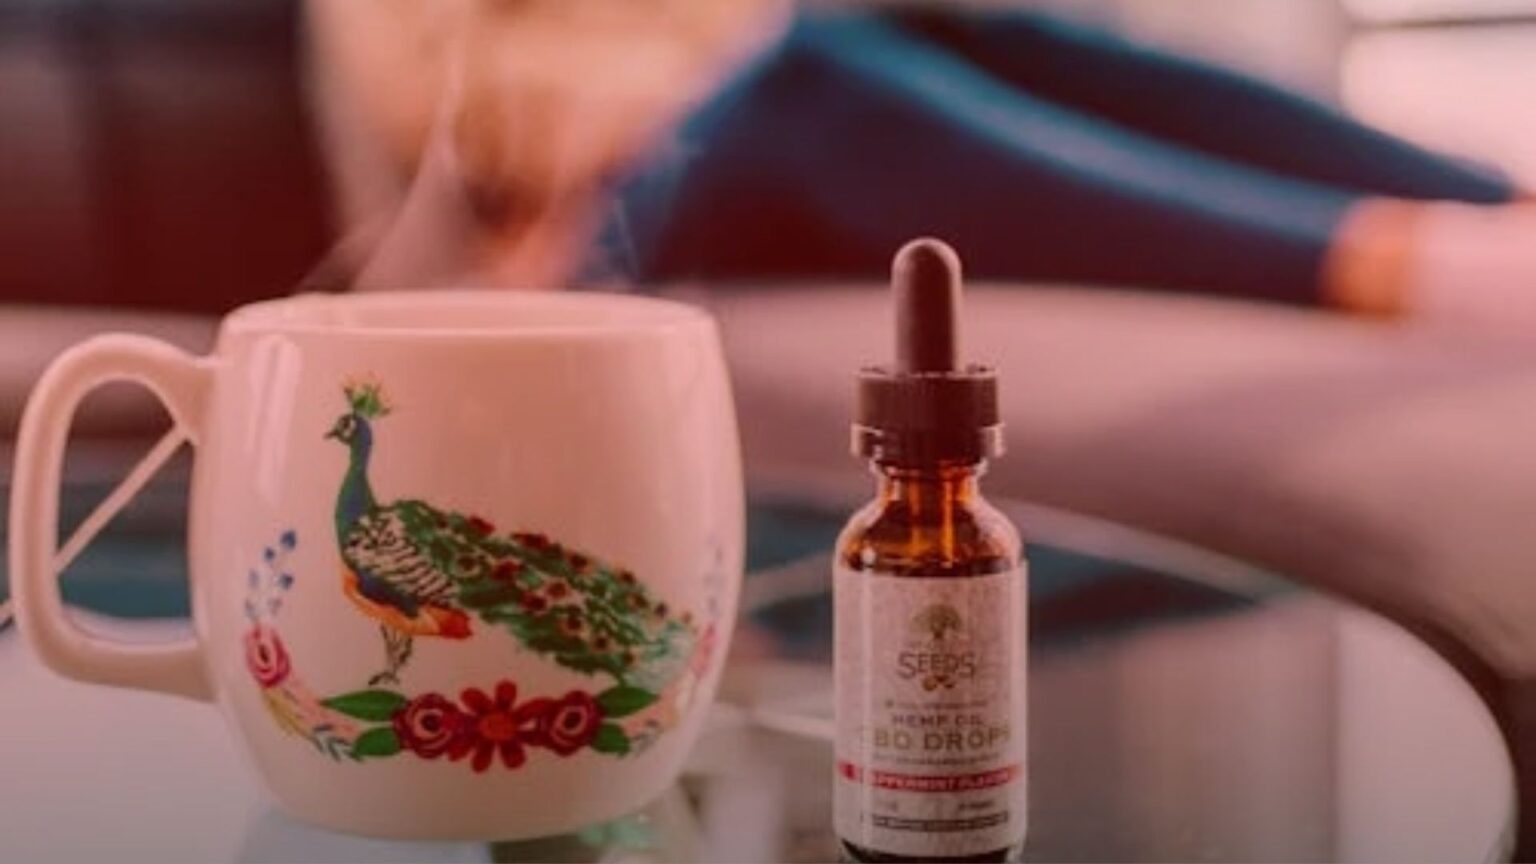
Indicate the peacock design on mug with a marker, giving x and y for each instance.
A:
(423, 571)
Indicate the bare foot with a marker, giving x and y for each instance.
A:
(1444, 263)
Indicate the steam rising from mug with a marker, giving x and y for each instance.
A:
(470, 140)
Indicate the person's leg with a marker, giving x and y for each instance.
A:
(1422, 237)
(855, 138)
(1199, 104)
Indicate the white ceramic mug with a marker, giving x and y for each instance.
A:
(464, 565)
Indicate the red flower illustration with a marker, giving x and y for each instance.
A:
(429, 725)
(572, 625)
(480, 526)
(506, 571)
(532, 540)
(265, 656)
(571, 723)
(496, 726)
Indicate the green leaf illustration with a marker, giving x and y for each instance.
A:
(376, 743)
(622, 701)
(610, 739)
(367, 704)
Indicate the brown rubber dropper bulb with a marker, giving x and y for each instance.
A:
(925, 281)
(928, 405)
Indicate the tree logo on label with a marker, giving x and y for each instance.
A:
(937, 621)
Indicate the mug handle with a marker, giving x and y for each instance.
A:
(181, 382)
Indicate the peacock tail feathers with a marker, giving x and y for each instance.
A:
(587, 615)
(412, 561)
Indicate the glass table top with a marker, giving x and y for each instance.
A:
(1182, 708)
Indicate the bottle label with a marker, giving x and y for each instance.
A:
(930, 684)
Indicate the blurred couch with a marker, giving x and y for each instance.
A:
(1389, 464)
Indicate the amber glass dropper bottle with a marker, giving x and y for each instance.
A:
(929, 591)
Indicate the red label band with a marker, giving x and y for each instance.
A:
(920, 783)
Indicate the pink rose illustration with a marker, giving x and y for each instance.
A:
(265, 656)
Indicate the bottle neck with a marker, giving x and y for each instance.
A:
(930, 490)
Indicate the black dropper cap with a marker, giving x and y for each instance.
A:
(928, 408)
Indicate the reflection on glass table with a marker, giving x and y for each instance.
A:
(1183, 708)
